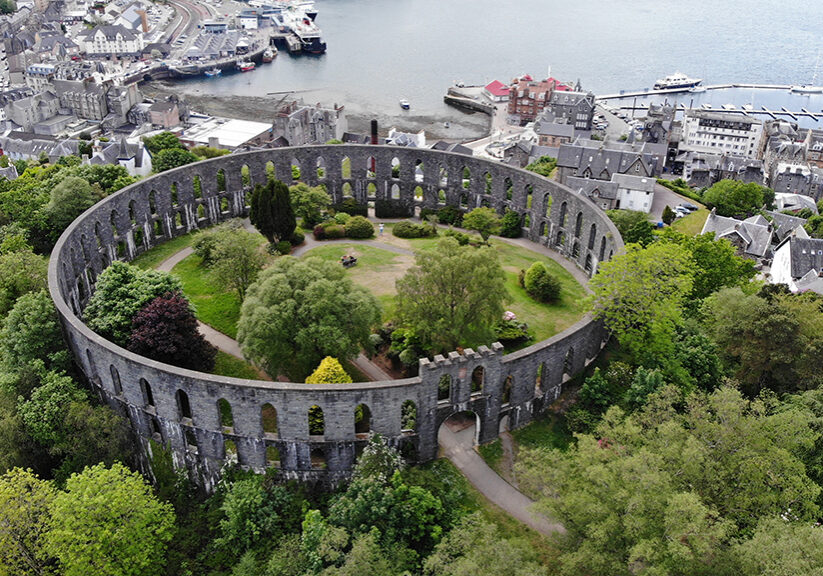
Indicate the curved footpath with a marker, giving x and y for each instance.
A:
(457, 446)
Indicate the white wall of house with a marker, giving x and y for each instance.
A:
(781, 269)
(634, 199)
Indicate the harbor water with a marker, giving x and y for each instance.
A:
(380, 51)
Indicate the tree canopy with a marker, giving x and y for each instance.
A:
(25, 501)
(330, 371)
(309, 202)
(483, 220)
(172, 158)
(271, 211)
(300, 311)
(737, 199)
(452, 296)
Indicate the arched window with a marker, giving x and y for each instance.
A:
(408, 415)
(321, 168)
(225, 414)
(578, 225)
(273, 456)
(115, 381)
(395, 192)
(153, 202)
(318, 458)
(507, 389)
(197, 187)
(592, 236)
(221, 180)
(562, 220)
(345, 167)
(477, 379)
(568, 362)
(317, 422)
(271, 173)
(444, 387)
(148, 397)
(183, 406)
(268, 418)
(547, 205)
(362, 419)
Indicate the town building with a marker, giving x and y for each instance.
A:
(301, 124)
(134, 157)
(574, 108)
(528, 97)
(798, 262)
(599, 160)
(752, 237)
(702, 169)
(111, 41)
(802, 179)
(164, 113)
(496, 91)
(38, 76)
(229, 134)
(623, 191)
(721, 133)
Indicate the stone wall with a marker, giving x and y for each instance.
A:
(180, 407)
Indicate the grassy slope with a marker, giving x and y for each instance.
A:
(218, 308)
(227, 365)
(155, 256)
(693, 223)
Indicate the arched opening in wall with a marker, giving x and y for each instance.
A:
(117, 387)
(318, 458)
(578, 225)
(576, 249)
(444, 177)
(121, 249)
(225, 414)
(568, 362)
(611, 253)
(137, 235)
(418, 193)
(345, 167)
(509, 189)
(408, 416)
(547, 205)
(133, 213)
(529, 192)
(589, 264)
(441, 196)
(527, 220)
(156, 431)
(466, 181)
(395, 192)
(183, 406)
(362, 420)
(81, 289)
(191, 440)
(268, 420)
(201, 212)
(444, 388)
(477, 380)
(320, 164)
(296, 173)
(92, 369)
(221, 180)
(459, 429)
(153, 202)
(542, 370)
(348, 192)
(148, 397)
(175, 198)
(419, 174)
(464, 200)
(395, 167)
(98, 235)
(562, 220)
(317, 421)
(83, 248)
(592, 236)
(544, 230)
(507, 389)
(113, 222)
(197, 187)
(560, 238)
(178, 220)
(485, 203)
(371, 167)
(245, 175)
(272, 457)
(487, 179)
(229, 450)
(271, 171)
(371, 190)
(602, 248)
(224, 205)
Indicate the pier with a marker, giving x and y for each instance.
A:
(731, 109)
(287, 40)
(650, 92)
(469, 97)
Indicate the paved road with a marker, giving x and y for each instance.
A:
(457, 447)
(664, 197)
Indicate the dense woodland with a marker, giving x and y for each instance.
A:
(696, 447)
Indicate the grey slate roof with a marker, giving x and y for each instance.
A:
(755, 232)
(603, 159)
(593, 188)
(110, 31)
(783, 224)
(554, 129)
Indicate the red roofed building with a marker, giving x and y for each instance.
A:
(497, 91)
(527, 97)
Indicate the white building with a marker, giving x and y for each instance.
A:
(798, 262)
(111, 41)
(721, 133)
(634, 192)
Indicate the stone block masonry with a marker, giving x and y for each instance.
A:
(181, 408)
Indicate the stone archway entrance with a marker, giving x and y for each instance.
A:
(459, 432)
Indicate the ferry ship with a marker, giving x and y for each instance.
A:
(676, 81)
(297, 18)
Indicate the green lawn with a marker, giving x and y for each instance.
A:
(227, 365)
(693, 223)
(216, 307)
(158, 254)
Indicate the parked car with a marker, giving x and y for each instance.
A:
(688, 206)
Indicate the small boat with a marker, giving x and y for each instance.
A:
(269, 54)
(404, 104)
(806, 89)
(245, 66)
(213, 72)
(697, 89)
(446, 124)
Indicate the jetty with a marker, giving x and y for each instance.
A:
(651, 92)
(731, 109)
(469, 97)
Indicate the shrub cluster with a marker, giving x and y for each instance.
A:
(408, 229)
(461, 237)
(541, 284)
(357, 227)
(391, 209)
(352, 207)
(510, 225)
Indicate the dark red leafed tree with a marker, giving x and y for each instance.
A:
(165, 330)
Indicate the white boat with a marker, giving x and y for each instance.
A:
(213, 72)
(809, 88)
(269, 54)
(676, 81)
(697, 89)
(404, 104)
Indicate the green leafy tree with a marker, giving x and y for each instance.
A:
(781, 548)
(668, 489)
(32, 333)
(735, 198)
(300, 311)
(322, 543)
(121, 291)
(640, 296)
(814, 226)
(163, 141)
(452, 296)
(541, 284)
(13, 237)
(668, 215)
(271, 211)
(109, 522)
(20, 273)
(359, 227)
(237, 259)
(25, 501)
(544, 166)
(172, 158)
(476, 546)
(43, 413)
(108, 178)
(366, 558)
(309, 203)
(207, 152)
(288, 558)
(625, 220)
(510, 225)
(641, 233)
(330, 371)
(483, 220)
